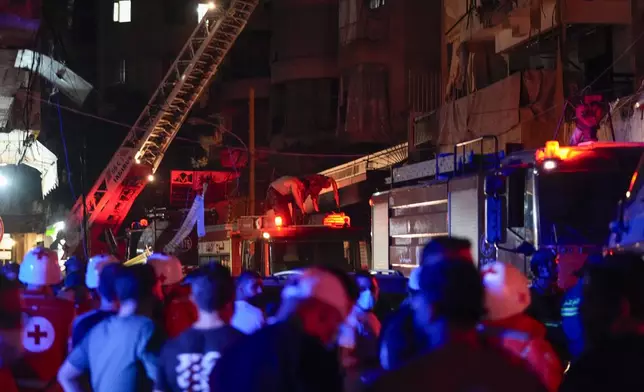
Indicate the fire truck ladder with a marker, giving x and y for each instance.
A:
(140, 154)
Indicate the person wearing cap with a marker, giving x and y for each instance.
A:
(187, 360)
(507, 296)
(248, 317)
(121, 353)
(299, 353)
(101, 275)
(448, 307)
(571, 321)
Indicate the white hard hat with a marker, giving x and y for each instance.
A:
(40, 267)
(95, 266)
(323, 286)
(506, 290)
(166, 267)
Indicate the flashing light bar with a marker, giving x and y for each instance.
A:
(553, 151)
(338, 220)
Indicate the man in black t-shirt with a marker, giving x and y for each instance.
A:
(187, 361)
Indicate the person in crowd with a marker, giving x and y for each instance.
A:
(571, 320)
(358, 338)
(283, 193)
(401, 339)
(297, 354)
(449, 307)
(121, 353)
(613, 317)
(546, 299)
(11, 271)
(507, 296)
(75, 290)
(248, 318)
(187, 361)
(11, 327)
(105, 286)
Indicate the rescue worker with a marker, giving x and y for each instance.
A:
(297, 354)
(187, 361)
(282, 194)
(316, 183)
(11, 328)
(546, 298)
(49, 321)
(248, 318)
(571, 320)
(121, 353)
(179, 312)
(448, 308)
(507, 296)
(101, 275)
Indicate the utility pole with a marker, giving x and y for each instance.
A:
(251, 143)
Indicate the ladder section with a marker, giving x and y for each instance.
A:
(141, 153)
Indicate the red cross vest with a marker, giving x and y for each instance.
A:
(45, 336)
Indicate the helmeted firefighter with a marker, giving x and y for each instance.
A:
(284, 192)
(507, 297)
(315, 184)
(48, 323)
(179, 312)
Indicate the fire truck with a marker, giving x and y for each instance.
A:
(266, 245)
(627, 231)
(99, 214)
(557, 197)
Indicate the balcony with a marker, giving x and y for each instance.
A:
(510, 23)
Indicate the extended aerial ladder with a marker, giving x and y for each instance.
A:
(140, 154)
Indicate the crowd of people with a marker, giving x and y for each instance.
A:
(107, 327)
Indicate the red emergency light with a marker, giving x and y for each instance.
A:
(552, 150)
(278, 221)
(337, 220)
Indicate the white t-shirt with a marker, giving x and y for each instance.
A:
(247, 318)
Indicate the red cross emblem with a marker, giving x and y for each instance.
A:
(37, 334)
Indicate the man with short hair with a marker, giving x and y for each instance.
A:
(297, 354)
(121, 353)
(187, 360)
(108, 308)
(449, 307)
(248, 318)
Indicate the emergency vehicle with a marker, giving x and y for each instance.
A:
(627, 231)
(556, 197)
(266, 245)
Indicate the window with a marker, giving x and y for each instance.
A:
(202, 9)
(373, 4)
(122, 71)
(122, 11)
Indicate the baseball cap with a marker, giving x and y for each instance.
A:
(321, 285)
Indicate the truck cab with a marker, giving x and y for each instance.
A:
(264, 244)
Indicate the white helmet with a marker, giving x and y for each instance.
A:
(506, 290)
(40, 267)
(167, 268)
(95, 266)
